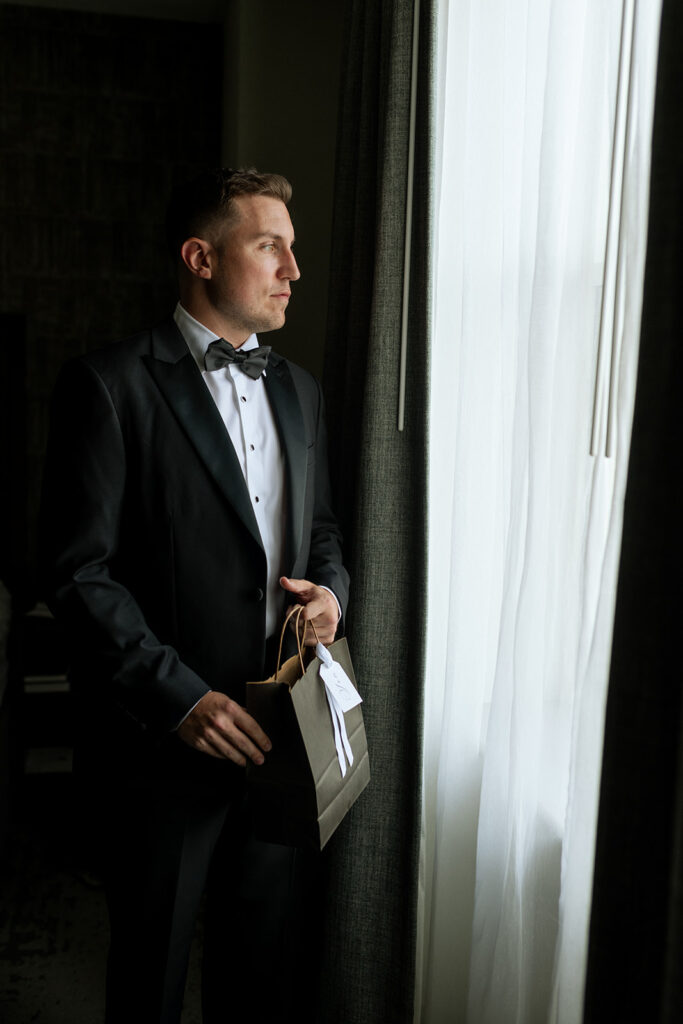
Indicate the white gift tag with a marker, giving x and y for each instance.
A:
(341, 695)
(336, 680)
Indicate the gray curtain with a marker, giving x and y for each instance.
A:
(635, 963)
(380, 477)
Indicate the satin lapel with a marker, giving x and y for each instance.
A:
(290, 423)
(176, 375)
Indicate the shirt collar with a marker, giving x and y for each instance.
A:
(198, 337)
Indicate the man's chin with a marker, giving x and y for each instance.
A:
(271, 325)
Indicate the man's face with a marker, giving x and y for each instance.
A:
(255, 265)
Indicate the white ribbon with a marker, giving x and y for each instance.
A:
(341, 696)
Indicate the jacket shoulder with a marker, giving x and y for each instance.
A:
(118, 360)
(129, 351)
(117, 351)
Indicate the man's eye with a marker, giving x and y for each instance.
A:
(268, 247)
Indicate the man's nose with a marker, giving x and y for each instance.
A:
(289, 268)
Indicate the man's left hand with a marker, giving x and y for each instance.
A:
(319, 607)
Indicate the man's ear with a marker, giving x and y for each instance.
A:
(196, 254)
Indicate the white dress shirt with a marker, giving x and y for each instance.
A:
(245, 410)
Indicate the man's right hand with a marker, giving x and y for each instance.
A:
(222, 728)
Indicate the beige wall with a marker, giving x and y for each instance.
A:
(281, 94)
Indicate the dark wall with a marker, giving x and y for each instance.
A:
(283, 68)
(99, 115)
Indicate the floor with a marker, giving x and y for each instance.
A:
(53, 919)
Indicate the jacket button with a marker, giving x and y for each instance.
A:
(258, 594)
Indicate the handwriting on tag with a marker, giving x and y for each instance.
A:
(337, 681)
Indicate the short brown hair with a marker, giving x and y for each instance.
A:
(196, 205)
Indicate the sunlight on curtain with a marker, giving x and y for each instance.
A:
(542, 220)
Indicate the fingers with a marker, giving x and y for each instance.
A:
(319, 607)
(323, 618)
(257, 742)
(324, 630)
(221, 728)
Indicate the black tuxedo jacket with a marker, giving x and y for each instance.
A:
(154, 559)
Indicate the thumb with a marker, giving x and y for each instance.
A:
(295, 586)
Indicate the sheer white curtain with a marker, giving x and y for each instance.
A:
(542, 220)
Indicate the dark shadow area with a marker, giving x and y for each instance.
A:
(53, 927)
(96, 126)
(53, 923)
(635, 963)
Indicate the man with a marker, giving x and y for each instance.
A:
(186, 497)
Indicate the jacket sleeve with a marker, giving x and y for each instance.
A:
(83, 494)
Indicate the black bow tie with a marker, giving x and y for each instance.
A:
(220, 353)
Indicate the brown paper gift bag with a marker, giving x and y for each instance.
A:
(299, 795)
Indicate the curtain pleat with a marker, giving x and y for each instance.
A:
(635, 968)
(380, 479)
(546, 131)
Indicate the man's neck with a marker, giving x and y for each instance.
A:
(206, 315)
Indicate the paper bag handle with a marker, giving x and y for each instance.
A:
(294, 610)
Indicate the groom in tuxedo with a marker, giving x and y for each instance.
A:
(186, 503)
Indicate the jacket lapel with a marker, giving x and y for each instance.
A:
(177, 376)
(289, 419)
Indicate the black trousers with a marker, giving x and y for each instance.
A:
(167, 844)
